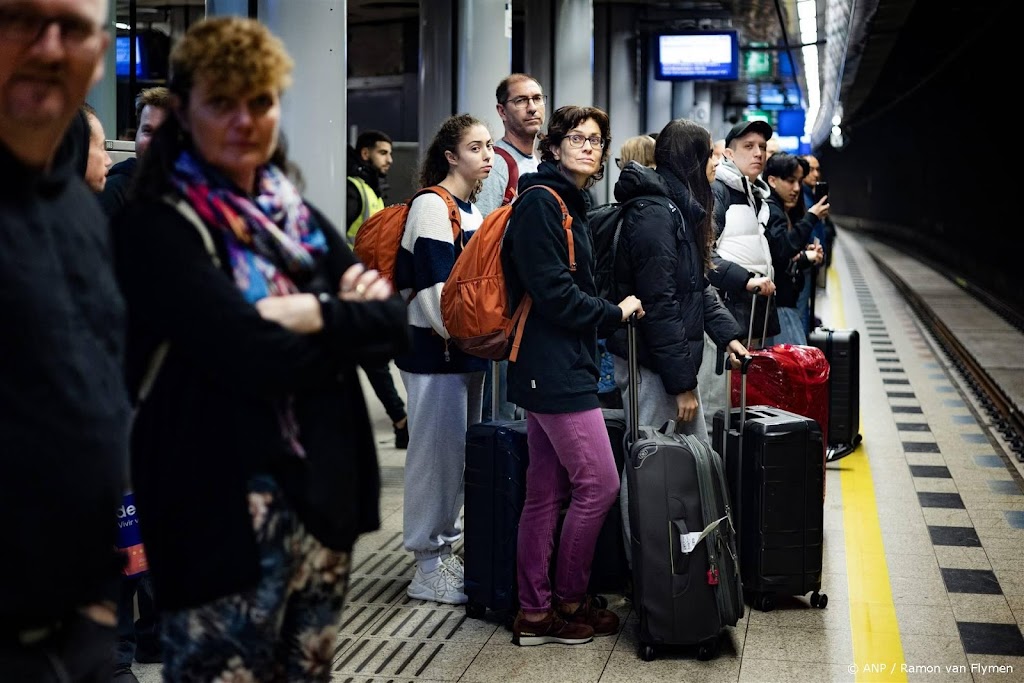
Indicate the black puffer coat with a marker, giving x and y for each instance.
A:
(659, 260)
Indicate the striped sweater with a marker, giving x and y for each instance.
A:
(424, 261)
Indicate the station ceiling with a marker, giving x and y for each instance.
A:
(872, 28)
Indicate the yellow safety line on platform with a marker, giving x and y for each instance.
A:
(877, 650)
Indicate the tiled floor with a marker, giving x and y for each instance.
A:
(950, 510)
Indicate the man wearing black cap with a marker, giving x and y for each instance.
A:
(742, 257)
(741, 215)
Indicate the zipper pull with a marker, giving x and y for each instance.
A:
(447, 355)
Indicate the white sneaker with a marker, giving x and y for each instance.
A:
(454, 562)
(441, 585)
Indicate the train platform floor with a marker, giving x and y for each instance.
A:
(923, 552)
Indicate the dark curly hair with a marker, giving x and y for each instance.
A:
(435, 165)
(565, 119)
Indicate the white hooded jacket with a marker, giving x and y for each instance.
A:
(741, 233)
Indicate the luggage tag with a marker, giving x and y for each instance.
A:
(689, 540)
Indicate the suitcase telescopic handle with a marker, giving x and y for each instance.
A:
(753, 312)
(495, 388)
(634, 379)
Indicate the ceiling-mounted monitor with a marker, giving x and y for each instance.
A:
(697, 55)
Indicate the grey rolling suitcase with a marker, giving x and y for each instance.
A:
(686, 584)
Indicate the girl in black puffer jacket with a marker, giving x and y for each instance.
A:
(663, 256)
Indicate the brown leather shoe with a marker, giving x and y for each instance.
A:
(603, 621)
(551, 629)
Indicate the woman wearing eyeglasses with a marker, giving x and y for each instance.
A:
(555, 380)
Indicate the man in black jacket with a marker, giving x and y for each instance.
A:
(63, 407)
(151, 108)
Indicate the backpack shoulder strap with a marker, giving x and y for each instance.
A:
(156, 361)
(189, 214)
(523, 309)
(512, 187)
(453, 208)
(566, 223)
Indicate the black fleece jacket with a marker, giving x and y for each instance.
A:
(556, 371)
(660, 262)
(786, 241)
(119, 182)
(210, 421)
(63, 408)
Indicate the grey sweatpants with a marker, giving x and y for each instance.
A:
(440, 409)
(655, 407)
(712, 386)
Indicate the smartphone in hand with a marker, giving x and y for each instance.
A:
(820, 190)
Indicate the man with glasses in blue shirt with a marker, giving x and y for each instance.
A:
(521, 105)
(63, 408)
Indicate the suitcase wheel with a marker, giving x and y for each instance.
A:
(819, 600)
(475, 610)
(765, 603)
(708, 650)
(647, 652)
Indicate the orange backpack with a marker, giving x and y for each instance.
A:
(474, 299)
(380, 236)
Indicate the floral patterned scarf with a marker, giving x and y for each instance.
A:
(270, 240)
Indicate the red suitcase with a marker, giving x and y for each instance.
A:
(791, 377)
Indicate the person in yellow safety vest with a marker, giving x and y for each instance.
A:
(368, 169)
(369, 162)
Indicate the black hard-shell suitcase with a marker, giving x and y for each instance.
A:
(686, 590)
(842, 350)
(495, 485)
(497, 458)
(776, 478)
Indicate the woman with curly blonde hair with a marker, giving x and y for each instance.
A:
(254, 465)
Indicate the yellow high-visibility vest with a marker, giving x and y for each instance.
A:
(371, 205)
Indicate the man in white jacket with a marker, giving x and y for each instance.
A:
(741, 215)
(743, 260)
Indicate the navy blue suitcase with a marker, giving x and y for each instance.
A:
(495, 483)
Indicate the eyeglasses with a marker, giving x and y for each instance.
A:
(521, 102)
(576, 141)
(25, 28)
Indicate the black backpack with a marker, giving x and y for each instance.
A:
(605, 227)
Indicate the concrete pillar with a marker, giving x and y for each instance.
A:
(618, 88)
(103, 95)
(314, 108)
(436, 68)
(659, 99)
(484, 58)
(538, 18)
(573, 68)
(682, 99)
(701, 111)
